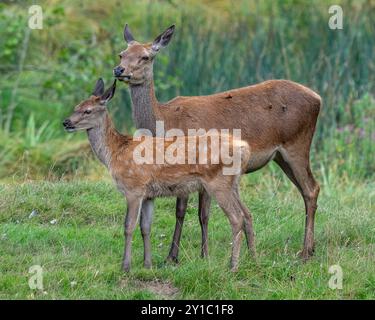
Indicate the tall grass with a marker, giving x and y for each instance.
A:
(218, 45)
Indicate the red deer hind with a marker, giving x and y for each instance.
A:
(277, 119)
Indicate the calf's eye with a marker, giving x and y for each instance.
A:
(87, 111)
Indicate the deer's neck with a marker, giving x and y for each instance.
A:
(144, 106)
(104, 138)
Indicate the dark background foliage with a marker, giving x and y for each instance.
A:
(217, 45)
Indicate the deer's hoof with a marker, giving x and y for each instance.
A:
(171, 259)
(126, 267)
(234, 269)
(233, 266)
(204, 255)
(306, 254)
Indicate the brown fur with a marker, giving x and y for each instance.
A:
(142, 181)
(277, 119)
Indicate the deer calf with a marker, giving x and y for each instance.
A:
(139, 182)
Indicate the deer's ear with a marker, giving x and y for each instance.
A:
(108, 94)
(99, 88)
(128, 37)
(163, 39)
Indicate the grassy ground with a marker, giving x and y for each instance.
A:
(81, 253)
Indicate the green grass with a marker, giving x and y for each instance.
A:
(81, 254)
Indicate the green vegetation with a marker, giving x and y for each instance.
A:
(217, 46)
(81, 254)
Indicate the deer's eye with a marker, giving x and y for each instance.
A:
(145, 58)
(88, 111)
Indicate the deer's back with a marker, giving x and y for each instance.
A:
(269, 113)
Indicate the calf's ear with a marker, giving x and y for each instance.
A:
(128, 37)
(99, 88)
(108, 94)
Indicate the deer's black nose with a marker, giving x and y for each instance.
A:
(118, 71)
(67, 123)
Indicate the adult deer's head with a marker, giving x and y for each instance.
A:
(137, 60)
(91, 111)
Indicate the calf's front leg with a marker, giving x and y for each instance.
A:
(146, 220)
(133, 211)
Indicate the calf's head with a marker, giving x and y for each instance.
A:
(89, 113)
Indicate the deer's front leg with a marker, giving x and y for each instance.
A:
(181, 206)
(146, 220)
(134, 208)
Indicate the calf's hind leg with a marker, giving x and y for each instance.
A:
(204, 212)
(248, 227)
(226, 197)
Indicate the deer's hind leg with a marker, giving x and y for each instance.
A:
(294, 161)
